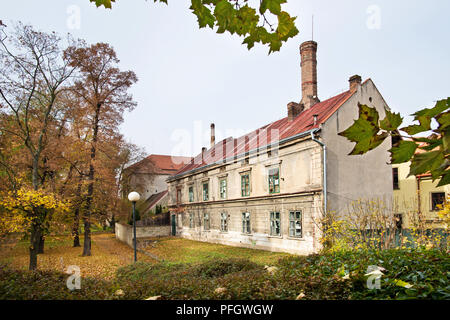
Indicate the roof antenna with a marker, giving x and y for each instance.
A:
(312, 28)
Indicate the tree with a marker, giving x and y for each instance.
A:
(102, 90)
(32, 77)
(237, 17)
(368, 132)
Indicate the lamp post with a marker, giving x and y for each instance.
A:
(134, 197)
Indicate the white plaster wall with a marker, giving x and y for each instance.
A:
(350, 178)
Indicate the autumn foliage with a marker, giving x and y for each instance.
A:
(61, 152)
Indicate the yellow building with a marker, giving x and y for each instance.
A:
(417, 196)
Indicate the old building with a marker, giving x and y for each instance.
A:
(148, 177)
(268, 189)
(417, 198)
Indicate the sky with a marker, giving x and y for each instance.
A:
(190, 77)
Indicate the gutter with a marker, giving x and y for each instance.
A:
(299, 135)
(324, 147)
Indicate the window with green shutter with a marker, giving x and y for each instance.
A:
(274, 180)
(223, 188)
(245, 185)
(205, 191)
(206, 224)
(191, 194)
(246, 222)
(275, 224)
(191, 220)
(295, 224)
(224, 222)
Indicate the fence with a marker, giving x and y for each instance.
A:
(162, 219)
(404, 238)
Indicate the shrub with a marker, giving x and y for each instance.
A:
(221, 267)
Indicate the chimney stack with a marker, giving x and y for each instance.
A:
(203, 153)
(213, 135)
(308, 65)
(355, 82)
(294, 109)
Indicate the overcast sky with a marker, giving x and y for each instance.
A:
(190, 77)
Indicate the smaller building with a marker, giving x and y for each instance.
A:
(417, 198)
(148, 177)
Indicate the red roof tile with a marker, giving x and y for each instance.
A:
(269, 134)
(151, 201)
(160, 164)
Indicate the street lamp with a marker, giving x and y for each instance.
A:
(134, 197)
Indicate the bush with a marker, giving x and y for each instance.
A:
(221, 267)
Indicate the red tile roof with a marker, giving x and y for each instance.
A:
(269, 134)
(151, 201)
(160, 164)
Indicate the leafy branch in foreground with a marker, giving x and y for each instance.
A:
(237, 17)
(427, 154)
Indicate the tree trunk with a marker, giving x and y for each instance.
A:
(36, 232)
(41, 244)
(113, 224)
(87, 238)
(76, 219)
(34, 245)
(76, 229)
(87, 215)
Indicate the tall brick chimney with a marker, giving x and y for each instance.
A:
(213, 135)
(308, 65)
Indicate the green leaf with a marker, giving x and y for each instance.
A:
(274, 6)
(403, 152)
(285, 25)
(426, 162)
(105, 3)
(440, 106)
(364, 131)
(364, 134)
(391, 121)
(204, 16)
(368, 113)
(445, 179)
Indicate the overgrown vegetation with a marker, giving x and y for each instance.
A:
(406, 274)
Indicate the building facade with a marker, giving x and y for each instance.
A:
(269, 188)
(417, 198)
(148, 177)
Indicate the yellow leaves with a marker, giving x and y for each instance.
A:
(18, 209)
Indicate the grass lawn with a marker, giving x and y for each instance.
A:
(187, 269)
(175, 249)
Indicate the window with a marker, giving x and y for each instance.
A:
(224, 222)
(206, 224)
(223, 188)
(275, 224)
(191, 194)
(395, 178)
(437, 198)
(295, 224)
(246, 222)
(178, 195)
(191, 220)
(274, 180)
(245, 185)
(205, 191)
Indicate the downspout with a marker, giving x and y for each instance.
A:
(324, 147)
(324, 190)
